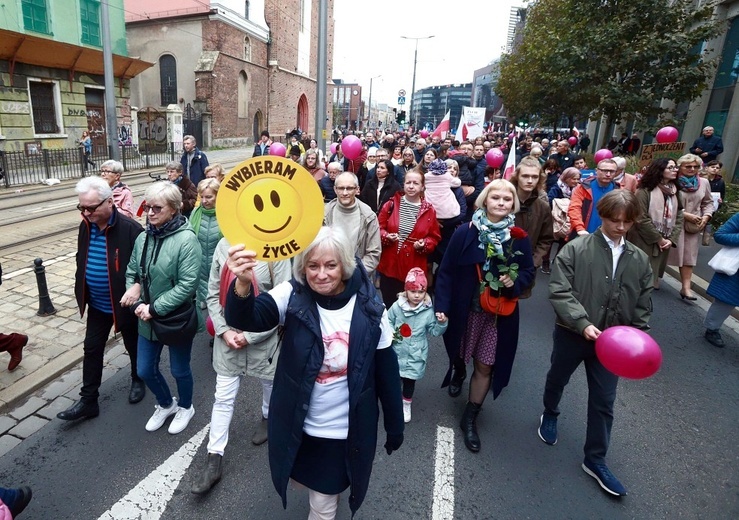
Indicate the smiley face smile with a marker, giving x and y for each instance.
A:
(275, 230)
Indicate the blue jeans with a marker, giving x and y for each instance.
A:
(149, 354)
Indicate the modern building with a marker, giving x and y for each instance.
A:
(431, 104)
(51, 74)
(484, 81)
(235, 68)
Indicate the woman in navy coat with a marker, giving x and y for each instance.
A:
(335, 364)
(473, 333)
(724, 288)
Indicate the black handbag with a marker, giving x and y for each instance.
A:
(176, 327)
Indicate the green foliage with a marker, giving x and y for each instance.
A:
(612, 58)
(729, 208)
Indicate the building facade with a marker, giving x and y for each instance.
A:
(432, 103)
(235, 68)
(52, 86)
(347, 105)
(484, 81)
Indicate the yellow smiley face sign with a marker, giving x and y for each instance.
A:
(271, 205)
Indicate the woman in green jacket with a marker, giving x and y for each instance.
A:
(204, 223)
(165, 265)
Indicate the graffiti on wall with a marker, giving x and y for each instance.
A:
(124, 135)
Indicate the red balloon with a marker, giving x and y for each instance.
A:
(572, 140)
(494, 158)
(667, 134)
(352, 147)
(424, 133)
(603, 153)
(333, 147)
(277, 149)
(209, 326)
(628, 352)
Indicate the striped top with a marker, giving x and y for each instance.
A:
(96, 274)
(408, 216)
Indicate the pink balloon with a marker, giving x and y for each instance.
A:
(424, 133)
(628, 352)
(352, 147)
(277, 149)
(494, 158)
(603, 153)
(572, 140)
(209, 326)
(333, 147)
(667, 134)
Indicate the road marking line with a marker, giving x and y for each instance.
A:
(150, 497)
(443, 507)
(58, 205)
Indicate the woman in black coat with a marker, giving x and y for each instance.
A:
(380, 188)
(323, 415)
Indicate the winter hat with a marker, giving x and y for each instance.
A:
(415, 280)
(438, 167)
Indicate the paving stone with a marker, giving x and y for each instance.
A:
(108, 372)
(6, 423)
(30, 363)
(56, 406)
(120, 361)
(116, 350)
(28, 427)
(58, 388)
(7, 443)
(27, 408)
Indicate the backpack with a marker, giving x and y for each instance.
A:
(560, 219)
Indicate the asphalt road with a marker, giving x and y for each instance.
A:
(673, 444)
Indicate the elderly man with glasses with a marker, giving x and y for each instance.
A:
(584, 218)
(356, 219)
(105, 242)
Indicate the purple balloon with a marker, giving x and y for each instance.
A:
(572, 140)
(667, 134)
(333, 147)
(494, 158)
(628, 352)
(603, 153)
(352, 147)
(277, 149)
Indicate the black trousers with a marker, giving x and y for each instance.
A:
(570, 349)
(98, 328)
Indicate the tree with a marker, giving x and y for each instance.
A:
(614, 58)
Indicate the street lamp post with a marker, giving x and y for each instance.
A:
(369, 115)
(415, 61)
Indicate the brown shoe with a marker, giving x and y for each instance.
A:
(15, 349)
(260, 434)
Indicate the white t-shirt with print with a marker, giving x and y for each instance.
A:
(328, 412)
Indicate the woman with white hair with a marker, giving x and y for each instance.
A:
(111, 172)
(335, 363)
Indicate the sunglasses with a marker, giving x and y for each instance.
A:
(155, 209)
(90, 209)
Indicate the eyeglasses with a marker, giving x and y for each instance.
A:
(673, 167)
(155, 209)
(90, 209)
(102, 172)
(606, 171)
(691, 166)
(345, 188)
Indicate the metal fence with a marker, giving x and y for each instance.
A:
(20, 168)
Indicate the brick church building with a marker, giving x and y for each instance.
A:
(234, 67)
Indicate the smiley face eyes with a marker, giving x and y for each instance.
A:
(274, 197)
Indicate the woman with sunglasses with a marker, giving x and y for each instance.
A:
(165, 262)
(407, 164)
(697, 210)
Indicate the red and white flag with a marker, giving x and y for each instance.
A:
(510, 164)
(576, 132)
(443, 127)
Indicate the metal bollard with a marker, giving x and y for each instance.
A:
(45, 307)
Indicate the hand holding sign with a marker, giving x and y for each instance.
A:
(273, 206)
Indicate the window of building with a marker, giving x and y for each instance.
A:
(724, 85)
(168, 79)
(90, 21)
(34, 16)
(302, 15)
(246, 9)
(247, 48)
(45, 107)
(243, 95)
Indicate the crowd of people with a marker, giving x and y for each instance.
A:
(420, 238)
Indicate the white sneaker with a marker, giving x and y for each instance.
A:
(406, 411)
(181, 419)
(160, 415)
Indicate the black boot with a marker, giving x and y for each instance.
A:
(80, 410)
(458, 377)
(469, 426)
(210, 476)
